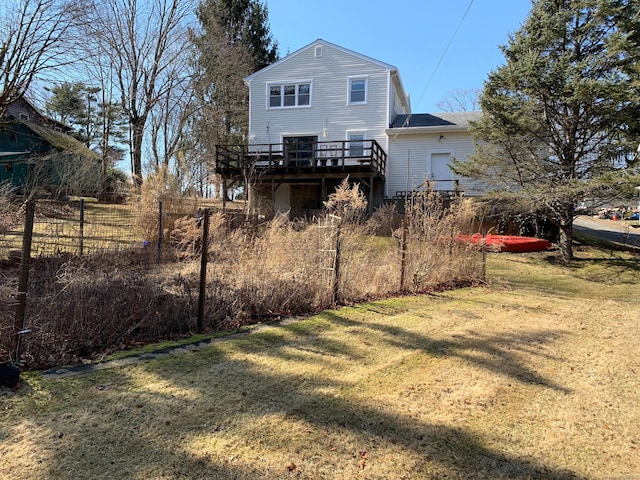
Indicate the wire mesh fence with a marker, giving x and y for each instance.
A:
(104, 277)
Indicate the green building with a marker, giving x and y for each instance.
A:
(38, 152)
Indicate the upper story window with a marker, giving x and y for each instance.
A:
(24, 116)
(290, 95)
(358, 90)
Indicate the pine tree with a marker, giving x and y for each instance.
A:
(559, 115)
(234, 42)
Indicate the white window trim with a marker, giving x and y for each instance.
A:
(357, 132)
(366, 89)
(282, 84)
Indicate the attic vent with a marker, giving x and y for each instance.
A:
(319, 51)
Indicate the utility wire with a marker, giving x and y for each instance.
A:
(435, 70)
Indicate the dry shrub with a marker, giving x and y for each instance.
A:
(348, 203)
(92, 304)
(166, 188)
(434, 256)
(276, 271)
(369, 265)
(384, 220)
(8, 218)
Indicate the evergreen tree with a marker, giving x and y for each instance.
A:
(101, 125)
(560, 115)
(65, 103)
(234, 41)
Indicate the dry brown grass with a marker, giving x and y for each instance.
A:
(83, 307)
(532, 376)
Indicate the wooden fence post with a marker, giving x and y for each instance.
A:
(27, 237)
(203, 271)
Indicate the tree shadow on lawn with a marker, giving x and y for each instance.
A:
(433, 449)
(616, 265)
(496, 353)
(238, 390)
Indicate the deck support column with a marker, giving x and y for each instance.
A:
(323, 190)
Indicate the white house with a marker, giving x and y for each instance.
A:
(325, 112)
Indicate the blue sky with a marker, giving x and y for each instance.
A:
(409, 34)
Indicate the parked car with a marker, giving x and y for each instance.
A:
(635, 216)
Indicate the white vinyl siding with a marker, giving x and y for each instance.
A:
(328, 77)
(416, 158)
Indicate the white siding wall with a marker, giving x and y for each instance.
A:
(329, 107)
(409, 163)
(396, 107)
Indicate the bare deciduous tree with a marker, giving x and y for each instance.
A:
(461, 100)
(143, 40)
(170, 117)
(35, 36)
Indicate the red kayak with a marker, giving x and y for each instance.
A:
(507, 243)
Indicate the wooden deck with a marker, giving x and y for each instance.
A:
(311, 160)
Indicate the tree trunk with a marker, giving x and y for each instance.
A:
(566, 235)
(136, 152)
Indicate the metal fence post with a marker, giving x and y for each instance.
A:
(81, 240)
(203, 271)
(403, 253)
(27, 237)
(160, 230)
(484, 254)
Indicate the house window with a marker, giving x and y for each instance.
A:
(24, 116)
(275, 96)
(318, 51)
(290, 95)
(357, 90)
(356, 144)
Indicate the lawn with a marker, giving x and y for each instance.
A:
(534, 375)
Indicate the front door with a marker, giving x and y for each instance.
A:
(441, 174)
(300, 150)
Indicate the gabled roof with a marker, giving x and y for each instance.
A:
(395, 74)
(424, 122)
(317, 42)
(43, 119)
(56, 139)
(59, 140)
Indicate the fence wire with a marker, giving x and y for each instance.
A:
(105, 277)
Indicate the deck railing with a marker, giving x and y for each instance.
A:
(303, 157)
